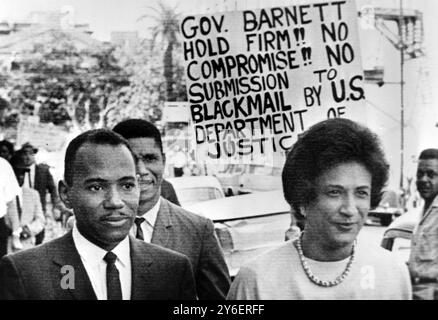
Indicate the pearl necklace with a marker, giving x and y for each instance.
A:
(313, 278)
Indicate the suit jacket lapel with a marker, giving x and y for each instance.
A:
(69, 256)
(140, 262)
(163, 225)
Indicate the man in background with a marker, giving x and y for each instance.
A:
(40, 179)
(423, 260)
(161, 222)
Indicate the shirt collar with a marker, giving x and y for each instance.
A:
(93, 254)
(151, 215)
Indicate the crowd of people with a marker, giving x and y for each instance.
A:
(130, 239)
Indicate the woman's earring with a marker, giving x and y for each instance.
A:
(303, 211)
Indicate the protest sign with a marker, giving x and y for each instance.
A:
(256, 79)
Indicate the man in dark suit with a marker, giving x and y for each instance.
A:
(161, 222)
(40, 179)
(98, 259)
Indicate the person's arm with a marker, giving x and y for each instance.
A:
(11, 219)
(213, 278)
(10, 190)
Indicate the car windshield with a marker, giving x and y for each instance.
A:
(390, 199)
(194, 195)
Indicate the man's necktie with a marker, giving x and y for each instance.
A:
(113, 287)
(138, 221)
(17, 198)
(30, 179)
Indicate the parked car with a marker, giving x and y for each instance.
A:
(389, 208)
(247, 225)
(195, 189)
(248, 178)
(397, 237)
(229, 177)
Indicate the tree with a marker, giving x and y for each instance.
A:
(165, 32)
(64, 81)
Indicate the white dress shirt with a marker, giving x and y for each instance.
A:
(9, 187)
(92, 258)
(148, 225)
(30, 174)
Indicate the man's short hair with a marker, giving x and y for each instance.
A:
(97, 136)
(324, 146)
(139, 128)
(429, 154)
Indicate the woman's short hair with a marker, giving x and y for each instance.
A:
(322, 147)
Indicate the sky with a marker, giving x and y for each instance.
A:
(103, 16)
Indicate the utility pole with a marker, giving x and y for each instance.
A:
(402, 30)
(408, 41)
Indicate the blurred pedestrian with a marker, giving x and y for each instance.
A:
(40, 179)
(28, 208)
(333, 175)
(163, 223)
(98, 259)
(423, 260)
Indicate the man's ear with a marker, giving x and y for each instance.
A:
(63, 193)
(164, 158)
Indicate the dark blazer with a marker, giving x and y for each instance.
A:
(194, 236)
(43, 182)
(36, 274)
